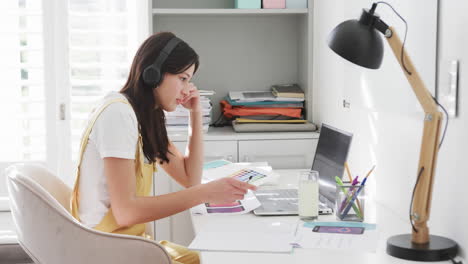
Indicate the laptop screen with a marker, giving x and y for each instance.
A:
(330, 156)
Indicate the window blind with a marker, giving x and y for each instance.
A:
(22, 103)
(100, 55)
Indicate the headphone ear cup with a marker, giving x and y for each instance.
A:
(151, 75)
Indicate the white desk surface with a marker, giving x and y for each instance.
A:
(387, 222)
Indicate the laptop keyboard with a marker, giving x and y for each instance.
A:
(283, 199)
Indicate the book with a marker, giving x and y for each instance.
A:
(266, 127)
(273, 104)
(288, 91)
(271, 117)
(259, 96)
(289, 121)
(206, 92)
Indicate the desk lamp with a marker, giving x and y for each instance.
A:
(359, 42)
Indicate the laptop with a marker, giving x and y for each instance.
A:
(330, 156)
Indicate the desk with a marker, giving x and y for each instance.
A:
(387, 223)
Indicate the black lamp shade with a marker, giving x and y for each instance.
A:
(358, 43)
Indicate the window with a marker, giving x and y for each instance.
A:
(58, 59)
(100, 56)
(22, 104)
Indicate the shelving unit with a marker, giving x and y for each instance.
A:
(219, 11)
(241, 49)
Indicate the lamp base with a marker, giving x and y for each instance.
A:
(438, 249)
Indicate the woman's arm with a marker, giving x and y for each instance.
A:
(187, 170)
(129, 209)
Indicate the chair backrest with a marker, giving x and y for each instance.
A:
(46, 230)
(34, 174)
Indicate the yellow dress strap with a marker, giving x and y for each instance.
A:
(144, 181)
(83, 144)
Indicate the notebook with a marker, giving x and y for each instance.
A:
(287, 90)
(245, 235)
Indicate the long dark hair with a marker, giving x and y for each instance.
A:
(150, 115)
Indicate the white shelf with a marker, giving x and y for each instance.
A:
(177, 11)
(276, 44)
(227, 133)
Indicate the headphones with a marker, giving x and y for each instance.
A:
(152, 74)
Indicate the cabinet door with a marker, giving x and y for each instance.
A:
(178, 228)
(280, 154)
(221, 150)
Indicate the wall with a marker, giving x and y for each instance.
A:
(233, 50)
(384, 115)
(453, 44)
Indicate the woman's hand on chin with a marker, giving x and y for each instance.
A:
(192, 100)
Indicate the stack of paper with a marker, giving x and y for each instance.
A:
(258, 111)
(246, 205)
(179, 120)
(260, 96)
(245, 235)
(254, 173)
(265, 173)
(254, 106)
(306, 238)
(288, 90)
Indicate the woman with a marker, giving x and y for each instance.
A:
(126, 136)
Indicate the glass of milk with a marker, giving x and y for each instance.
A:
(308, 193)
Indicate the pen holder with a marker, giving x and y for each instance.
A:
(349, 202)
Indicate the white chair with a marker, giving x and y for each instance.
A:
(46, 230)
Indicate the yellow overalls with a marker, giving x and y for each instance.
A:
(144, 181)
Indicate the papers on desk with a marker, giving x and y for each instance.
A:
(245, 235)
(261, 172)
(306, 238)
(243, 206)
(254, 173)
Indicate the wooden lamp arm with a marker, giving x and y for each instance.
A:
(429, 146)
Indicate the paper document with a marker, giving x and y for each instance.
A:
(245, 235)
(246, 205)
(367, 241)
(260, 174)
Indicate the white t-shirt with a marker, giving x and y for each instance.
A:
(115, 134)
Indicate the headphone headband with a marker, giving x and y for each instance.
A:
(166, 51)
(152, 73)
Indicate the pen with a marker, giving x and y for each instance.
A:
(348, 207)
(373, 167)
(340, 183)
(250, 178)
(355, 181)
(351, 191)
(348, 171)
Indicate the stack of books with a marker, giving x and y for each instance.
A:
(280, 109)
(288, 91)
(179, 120)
